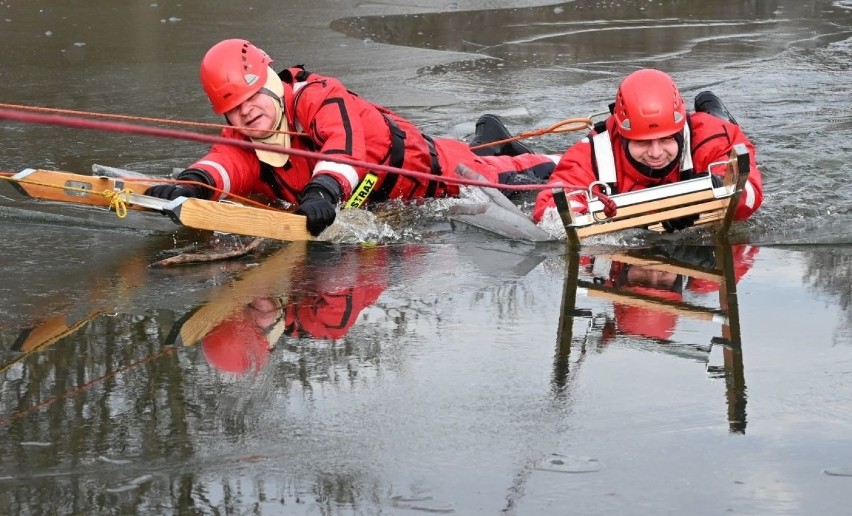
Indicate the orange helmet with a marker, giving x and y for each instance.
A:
(648, 105)
(236, 346)
(231, 72)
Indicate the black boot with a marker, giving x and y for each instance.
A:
(537, 175)
(489, 128)
(708, 102)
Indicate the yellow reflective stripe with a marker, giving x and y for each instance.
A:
(363, 191)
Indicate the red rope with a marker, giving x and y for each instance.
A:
(117, 127)
(166, 121)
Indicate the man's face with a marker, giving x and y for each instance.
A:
(256, 117)
(650, 277)
(656, 153)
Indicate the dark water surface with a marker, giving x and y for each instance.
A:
(478, 375)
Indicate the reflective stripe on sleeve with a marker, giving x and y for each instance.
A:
(226, 179)
(347, 171)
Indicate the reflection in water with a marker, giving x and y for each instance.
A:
(108, 408)
(240, 326)
(97, 415)
(109, 393)
(830, 271)
(646, 288)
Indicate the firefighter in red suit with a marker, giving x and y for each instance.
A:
(651, 140)
(262, 106)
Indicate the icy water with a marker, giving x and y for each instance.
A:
(446, 370)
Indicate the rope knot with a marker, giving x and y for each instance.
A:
(118, 201)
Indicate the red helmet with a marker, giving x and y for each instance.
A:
(237, 346)
(231, 72)
(648, 105)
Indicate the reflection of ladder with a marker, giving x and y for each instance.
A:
(659, 263)
(726, 314)
(651, 206)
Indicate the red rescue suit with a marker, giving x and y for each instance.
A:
(711, 140)
(338, 123)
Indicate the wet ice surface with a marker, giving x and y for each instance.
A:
(464, 387)
(459, 396)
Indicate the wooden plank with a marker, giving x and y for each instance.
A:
(48, 332)
(663, 204)
(567, 216)
(239, 219)
(225, 217)
(737, 171)
(51, 185)
(703, 218)
(650, 218)
(657, 193)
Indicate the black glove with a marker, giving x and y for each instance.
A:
(318, 203)
(173, 191)
(680, 223)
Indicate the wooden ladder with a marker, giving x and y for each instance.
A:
(651, 206)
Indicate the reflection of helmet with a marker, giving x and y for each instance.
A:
(647, 322)
(236, 345)
(648, 105)
(231, 72)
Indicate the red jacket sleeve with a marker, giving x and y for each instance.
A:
(574, 169)
(713, 140)
(234, 169)
(340, 124)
